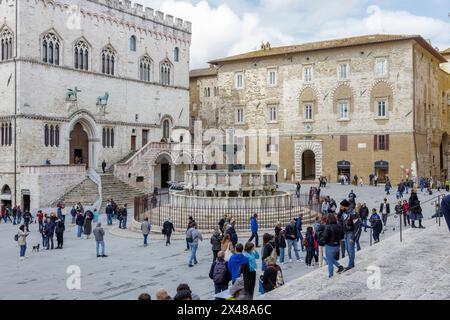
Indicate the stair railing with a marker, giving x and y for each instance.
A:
(95, 177)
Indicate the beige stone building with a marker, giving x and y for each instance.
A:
(361, 105)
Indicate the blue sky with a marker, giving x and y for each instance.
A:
(227, 27)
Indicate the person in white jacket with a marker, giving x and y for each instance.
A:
(22, 241)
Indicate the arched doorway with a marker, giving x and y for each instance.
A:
(308, 165)
(5, 195)
(79, 145)
(163, 171)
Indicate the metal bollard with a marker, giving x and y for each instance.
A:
(400, 216)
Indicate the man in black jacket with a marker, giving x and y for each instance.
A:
(364, 215)
(332, 236)
(385, 210)
(291, 237)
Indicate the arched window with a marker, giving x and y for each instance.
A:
(56, 136)
(165, 74)
(104, 138)
(108, 60)
(46, 135)
(133, 43)
(145, 68)
(176, 54)
(6, 40)
(52, 136)
(51, 49)
(166, 129)
(81, 55)
(108, 138)
(6, 134)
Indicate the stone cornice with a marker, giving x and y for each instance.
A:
(37, 62)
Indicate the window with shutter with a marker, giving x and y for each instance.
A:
(375, 142)
(386, 142)
(344, 143)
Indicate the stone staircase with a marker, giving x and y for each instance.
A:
(86, 193)
(120, 191)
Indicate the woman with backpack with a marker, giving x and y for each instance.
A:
(320, 240)
(21, 238)
(310, 246)
(219, 273)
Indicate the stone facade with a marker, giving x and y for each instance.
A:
(394, 73)
(35, 82)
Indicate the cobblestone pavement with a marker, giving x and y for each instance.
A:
(131, 268)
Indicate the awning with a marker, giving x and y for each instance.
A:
(381, 164)
(344, 164)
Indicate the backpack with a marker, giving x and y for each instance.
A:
(280, 280)
(220, 273)
(189, 238)
(16, 237)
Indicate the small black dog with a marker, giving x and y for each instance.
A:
(36, 248)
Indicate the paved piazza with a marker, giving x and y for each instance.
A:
(130, 268)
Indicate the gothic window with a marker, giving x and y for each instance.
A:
(6, 134)
(51, 135)
(81, 55)
(6, 40)
(165, 75)
(51, 49)
(108, 61)
(133, 43)
(108, 138)
(145, 68)
(166, 129)
(176, 54)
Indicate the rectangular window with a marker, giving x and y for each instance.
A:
(308, 111)
(344, 143)
(381, 67)
(381, 108)
(343, 71)
(273, 116)
(307, 74)
(240, 119)
(381, 142)
(272, 78)
(239, 80)
(343, 110)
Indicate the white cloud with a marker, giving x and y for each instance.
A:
(222, 28)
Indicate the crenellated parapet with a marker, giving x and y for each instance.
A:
(154, 22)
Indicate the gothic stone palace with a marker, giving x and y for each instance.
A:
(360, 105)
(82, 84)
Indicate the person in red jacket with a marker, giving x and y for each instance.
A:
(40, 218)
(406, 218)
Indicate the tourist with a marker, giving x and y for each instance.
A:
(104, 166)
(123, 216)
(332, 236)
(99, 235)
(191, 221)
(227, 247)
(299, 228)
(352, 199)
(344, 208)
(193, 235)
(232, 232)
(49, 231)
(40, 219)
(95, 216)
(79, 220)
(216, 242)
(361, 182)
(162, 294)
(297, 190)
(272, 277)
(385, 210)
(364, 215)
(109, 213)
(406, 213)
(185, 287)
(254, 229)
(310, 246)
(375, 180)
(142, 296)
(349, 236)
(376, 225)
(73, 213)
(168, 228)
(280, 245)
(357, 225)
(267, 249)
(325, 206)
(59, 231)
(292, 236)
(27, 219)
(415, 209)
(154, 201)
(183, 295)
(14, 215)
(320, 239)
(222, 224)
(235, 262)
(22, 241)
(87, 225)
(445, 205)
(220, 273)
(145, 228)
(252, 255)
(437, 211)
